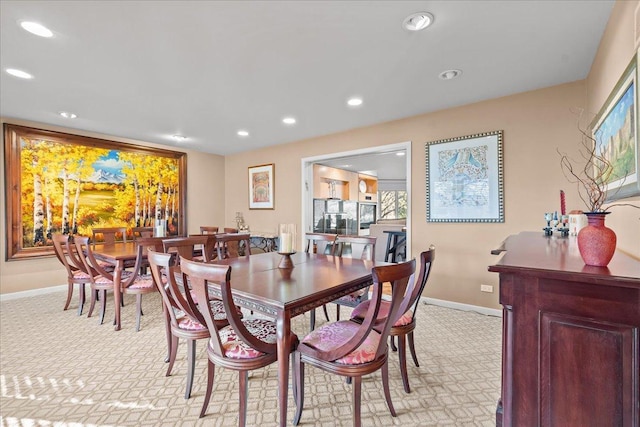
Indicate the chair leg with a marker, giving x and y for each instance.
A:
(94, 296)
(103, 306)
(357, 400)
(326, 313)
(167, 330)
(82, 298)
(191, 363)
(402, 356)
(172, 356)
(298, 378)
(138, 311)
(385, 385)
(69, 295)
(337, 311)
(392, 341)
(312, 319)
(211, 371)
(243, 387)
(412, 347)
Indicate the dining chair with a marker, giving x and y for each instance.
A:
(76, 274)
(102, 281)
(138, 232)
(353, 349)
(243, 345)
(109, 235)
(185, 319)
(348, 246)
(205, 229)
(233, 245)
(326, 243)
(406, 323)
(210, 248)
(186, 246)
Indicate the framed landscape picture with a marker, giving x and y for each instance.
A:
(261, 186)
(615, 131)
(63, 183)
(465, 179)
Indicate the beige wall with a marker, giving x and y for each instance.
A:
(617, 48)
(205, 195)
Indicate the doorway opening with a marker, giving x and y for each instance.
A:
(331, 202)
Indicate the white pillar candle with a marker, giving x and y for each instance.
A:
(286, 242)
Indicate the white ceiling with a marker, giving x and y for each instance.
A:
(147, 70)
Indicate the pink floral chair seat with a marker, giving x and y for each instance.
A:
(101, 280)
(335, 334)
(236, 348)
(144, 281)
(360, 311)
(190, 325)
(81, 275)
(351, 299)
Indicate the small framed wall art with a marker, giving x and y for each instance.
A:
(262, 186)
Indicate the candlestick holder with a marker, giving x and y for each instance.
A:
(548, 230)
(286, 262)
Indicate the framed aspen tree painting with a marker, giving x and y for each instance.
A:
(63, 183)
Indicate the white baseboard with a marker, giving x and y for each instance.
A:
(32, 293)
(460, 306)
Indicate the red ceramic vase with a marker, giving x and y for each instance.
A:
(596, 242)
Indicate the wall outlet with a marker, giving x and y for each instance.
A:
(486, 288)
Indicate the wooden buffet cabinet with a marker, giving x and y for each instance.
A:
(570, 352)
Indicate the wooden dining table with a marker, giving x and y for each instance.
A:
(258, 284)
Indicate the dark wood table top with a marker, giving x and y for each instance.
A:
(258, 283)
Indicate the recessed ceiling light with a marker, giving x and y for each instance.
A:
(179, 138)
(243, 133)
(450, 74)
(354, 102)
(400, 153)
(289, 120)
(67, 115)
(37, 29)
(19, 73)
(417, 21)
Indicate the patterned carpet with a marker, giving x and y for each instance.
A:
(60, 369)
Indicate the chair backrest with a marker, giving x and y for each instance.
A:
(230, 230)
(328, 239)
(85, 253)
(162, 262)
(205, 229)
(228, 245)
(366, 244)
(399, 276)
(184, 246)
(202, 276)
(62, 248)
(109, 234)
(417, 286)
(138, 232)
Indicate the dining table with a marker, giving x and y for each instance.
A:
(260, 285)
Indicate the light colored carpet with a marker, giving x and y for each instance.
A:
(60, 369)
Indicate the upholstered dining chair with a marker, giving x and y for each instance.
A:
(231, 245)
(244, 345)
(185, 319)
(76, 274)
(206, 229)
(326, 243)
(406, 323)
(348, 246)
(102, 280)
(353, 349)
